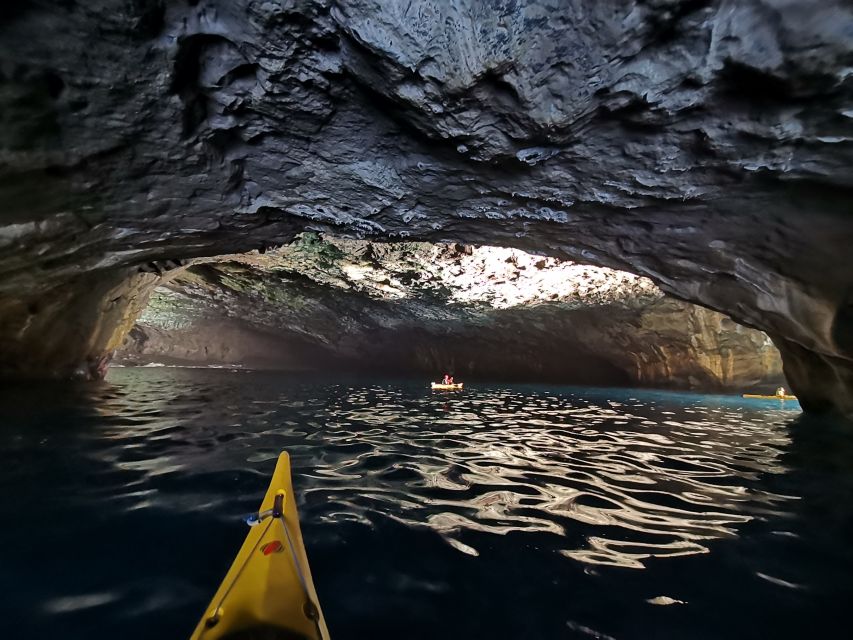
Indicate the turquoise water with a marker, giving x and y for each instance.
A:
(521, 511)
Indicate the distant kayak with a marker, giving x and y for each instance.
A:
(268, 591)
(446, 387)
(774, 397)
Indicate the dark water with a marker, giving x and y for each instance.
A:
(501, 512)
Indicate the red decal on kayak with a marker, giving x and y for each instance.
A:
(271, 547)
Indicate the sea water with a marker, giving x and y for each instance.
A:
(502, 511)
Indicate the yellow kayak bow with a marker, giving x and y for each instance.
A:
(268, 592)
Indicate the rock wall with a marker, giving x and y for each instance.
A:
(704, 145)
(675, 344)
(419, 308)
(220, 342)
(72, 329)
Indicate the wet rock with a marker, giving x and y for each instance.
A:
(94, 314)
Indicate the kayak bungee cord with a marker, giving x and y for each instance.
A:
(277, 513)
(310, 608)
(215, 615)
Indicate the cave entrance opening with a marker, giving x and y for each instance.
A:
(415, 308)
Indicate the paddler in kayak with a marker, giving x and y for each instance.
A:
(448, 379)
(780, 392)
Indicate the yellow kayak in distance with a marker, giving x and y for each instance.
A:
(268, 591)
(446, 387)
(774, 397)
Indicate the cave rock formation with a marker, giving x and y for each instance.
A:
(703, 145)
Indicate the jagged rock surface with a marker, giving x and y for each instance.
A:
(705, 145)
(415, 307)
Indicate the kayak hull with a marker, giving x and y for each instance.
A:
(268, 591)
(760, 397)
(447, 387)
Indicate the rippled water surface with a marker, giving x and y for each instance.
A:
(505, 511)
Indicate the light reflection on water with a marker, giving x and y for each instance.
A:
(510, 461)
(582, 482)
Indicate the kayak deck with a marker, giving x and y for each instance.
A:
(268, 591)
(447, 387)
(774, 397)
